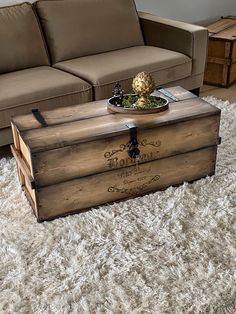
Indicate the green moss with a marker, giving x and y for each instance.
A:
(154, 102)
(129, 100)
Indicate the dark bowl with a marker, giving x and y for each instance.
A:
(113, 104)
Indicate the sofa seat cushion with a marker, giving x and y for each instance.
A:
(104, 70)
(21, 41)
(43, 88)
(84, 27)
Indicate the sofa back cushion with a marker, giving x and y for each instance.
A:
(76, 28)
(21, 41)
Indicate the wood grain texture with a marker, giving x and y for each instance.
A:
(26, 180)
(232, 75)
(216, 74)
(62, 115)
(97, 128)
(30, 192)
(79, 160)
(234, 52)
(227, 34)
(23, 167)
(106, 187)
(217, 49)
(220, 26)
(220, 68)
(219, 61)
(15, 134)
(26, 154)
(83, 111)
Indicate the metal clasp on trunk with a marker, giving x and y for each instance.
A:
(133, 150)
(38, 116)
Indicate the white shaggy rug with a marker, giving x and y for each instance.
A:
(168, 252)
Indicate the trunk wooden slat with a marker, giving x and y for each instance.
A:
(126, 182)
(84, 152)
(84, 111)
(96, 128)
(221, 63)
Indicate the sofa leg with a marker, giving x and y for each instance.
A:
(195, 91)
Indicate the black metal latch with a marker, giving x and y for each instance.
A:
(133, 149)
(38, 116)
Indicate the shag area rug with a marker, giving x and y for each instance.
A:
(165, 253)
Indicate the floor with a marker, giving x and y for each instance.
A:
(206, 90)
(222, 93)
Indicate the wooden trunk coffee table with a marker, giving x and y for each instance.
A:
(78, 157)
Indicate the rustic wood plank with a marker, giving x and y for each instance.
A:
(113, 125)
(77, 161)
(227, 34)
(31, 201)
(109, 186)
(82, 111)
(26, 155)
(15, 136)
(225, 76)
(17, 146)
(216, 49)
(234, 52)
(63, 115)
(226, 62)
(27, 182)
(228, 47)
(216, 74)
(221, 25)
(23, 167)
(31, 192)
(232, 75)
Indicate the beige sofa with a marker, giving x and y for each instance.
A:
(63, 52)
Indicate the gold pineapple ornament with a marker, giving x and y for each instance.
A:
(143, 85)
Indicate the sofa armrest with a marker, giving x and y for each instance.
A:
(185, 38)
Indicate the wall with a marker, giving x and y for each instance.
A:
(185, 10)
(188, 10)
(9, 2)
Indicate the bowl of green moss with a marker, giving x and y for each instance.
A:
(127, 104)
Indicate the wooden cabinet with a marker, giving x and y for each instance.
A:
(221, 62)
